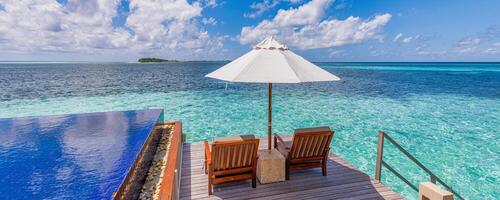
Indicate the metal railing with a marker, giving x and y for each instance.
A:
(380, 162)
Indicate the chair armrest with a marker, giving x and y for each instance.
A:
(279, 139)
(207, 152)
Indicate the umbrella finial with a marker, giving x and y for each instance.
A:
(270, 43)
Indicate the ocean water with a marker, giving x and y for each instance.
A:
(446, 114)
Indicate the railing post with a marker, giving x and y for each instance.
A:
(429, 190)
(380, 162)
(380, 151)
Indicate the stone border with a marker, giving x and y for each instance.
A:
(152, 184)
(144, 176)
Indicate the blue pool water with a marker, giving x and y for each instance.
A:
(446, 114)
(75, 156)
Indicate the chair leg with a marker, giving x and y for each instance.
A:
(206, 167)
(254, 182)
(323, 167)
(210, 187)
(210, 182)
(287, 171)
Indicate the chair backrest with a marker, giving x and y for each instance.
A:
(310, 143)
(228, 156)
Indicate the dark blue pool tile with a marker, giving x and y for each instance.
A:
(76, 156)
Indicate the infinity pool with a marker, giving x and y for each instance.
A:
(84, 156)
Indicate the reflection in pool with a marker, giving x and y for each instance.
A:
(83, 156)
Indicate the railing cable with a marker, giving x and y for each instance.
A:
(381, 162)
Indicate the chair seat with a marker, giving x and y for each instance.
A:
(284, 147)
(225, 174)
(287, 141)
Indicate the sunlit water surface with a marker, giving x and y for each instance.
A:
(445, 114)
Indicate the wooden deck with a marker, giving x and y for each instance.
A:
(344, 181)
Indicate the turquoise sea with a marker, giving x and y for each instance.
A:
(446, 114)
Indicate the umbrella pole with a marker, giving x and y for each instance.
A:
(270, 116)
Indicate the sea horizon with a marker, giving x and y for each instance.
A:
(62, 62)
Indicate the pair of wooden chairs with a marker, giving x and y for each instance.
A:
(235, 158)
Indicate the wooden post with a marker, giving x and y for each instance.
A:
(380, 151)
(270, 116)
(430, 191)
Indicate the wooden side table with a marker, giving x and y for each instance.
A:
(270, 166)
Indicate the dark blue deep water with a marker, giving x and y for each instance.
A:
(76, 156)
(34, 81)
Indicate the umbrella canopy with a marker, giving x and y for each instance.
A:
(271, 62)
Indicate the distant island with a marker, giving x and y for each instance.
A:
(146, 60)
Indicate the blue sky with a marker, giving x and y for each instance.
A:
(319, 30)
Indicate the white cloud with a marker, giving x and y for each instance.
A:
(399, 35)
(333, 53)
(341, 5)
(423, 53)
(406, 39)
(169, 27)
(165, 23)
(47, 25)
(495, 49)
(308, 13)
(468, 45)
(467, 50)
(492, 51)
(210, 3)
(261, 7)
(304, 28)
(483, 43)
(469, 41)
(210, 21)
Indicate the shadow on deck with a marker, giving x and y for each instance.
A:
(344, 181)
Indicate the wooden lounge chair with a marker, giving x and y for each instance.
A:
(231, 159)
(309, 148)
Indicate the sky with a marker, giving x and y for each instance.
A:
(319, 30)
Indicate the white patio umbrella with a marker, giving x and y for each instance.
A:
(271, 62)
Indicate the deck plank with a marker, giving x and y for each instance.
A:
(344, 181)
